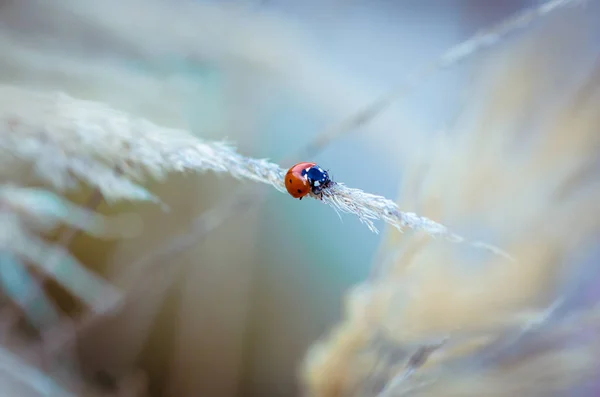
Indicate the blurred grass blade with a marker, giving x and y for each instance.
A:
(49, 209)
(19, 285)
(59, 264)
(17, 369)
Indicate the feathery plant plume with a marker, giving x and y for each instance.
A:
(522, 161)
(70, 138)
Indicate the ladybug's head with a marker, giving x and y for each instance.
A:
(318, 179)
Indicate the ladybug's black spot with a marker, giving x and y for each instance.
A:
(290, 181)
(299, 191)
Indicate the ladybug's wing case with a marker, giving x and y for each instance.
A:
(296, 185)
(297, 181)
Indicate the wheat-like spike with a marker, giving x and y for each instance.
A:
(68, 137)
(368, 207)
(70, 140)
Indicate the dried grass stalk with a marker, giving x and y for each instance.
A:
(70, 140)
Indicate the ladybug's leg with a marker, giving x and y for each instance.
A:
(300, 198)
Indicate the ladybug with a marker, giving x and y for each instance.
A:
(304, 178)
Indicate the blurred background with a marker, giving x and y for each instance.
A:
(235, 314)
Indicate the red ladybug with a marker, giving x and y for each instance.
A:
(304, 178)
